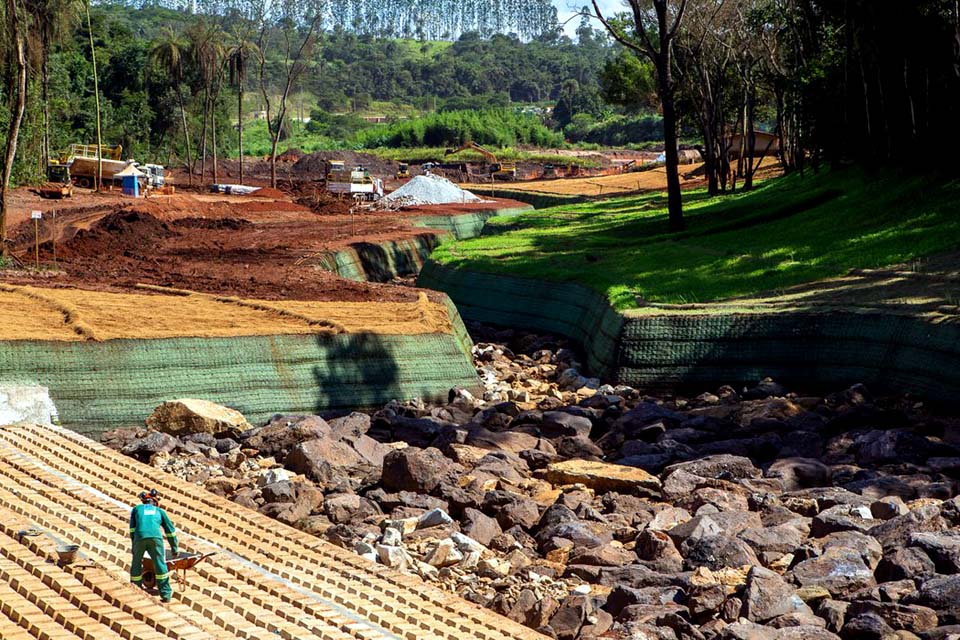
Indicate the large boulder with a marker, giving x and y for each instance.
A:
(191, 415)
(418, 470)
(283, 433)
(321, 458)
(603, 477)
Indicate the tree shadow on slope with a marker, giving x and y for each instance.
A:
(359, 371)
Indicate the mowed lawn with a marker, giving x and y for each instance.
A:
(787, 231)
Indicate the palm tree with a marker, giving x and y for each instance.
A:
(169, 52)
(96, 95)
(207, 52)
(50, 21)
(238, 56)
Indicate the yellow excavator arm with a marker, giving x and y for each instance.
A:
(492, 159)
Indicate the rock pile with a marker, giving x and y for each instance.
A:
(429, 189)
(585, 510)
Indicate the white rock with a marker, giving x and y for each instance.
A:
(269, 476)
(391, 537)
(434, 518)
(393, 557)
(466, 544)
(26, 403)
(445, 554)
(582, 589)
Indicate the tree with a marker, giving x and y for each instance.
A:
(238, 55)
(16, 53)
(169, 52)
(296, 41)
(96, 96)
(652, 33)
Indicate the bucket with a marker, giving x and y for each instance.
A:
(68, 553)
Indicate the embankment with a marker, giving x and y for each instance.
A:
(258, 357)
(384, 261)
(651, 348)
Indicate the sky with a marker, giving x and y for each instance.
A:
(566, 8)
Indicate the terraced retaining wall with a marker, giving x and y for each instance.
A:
(663, 349)
(384, 261)
(97, 386)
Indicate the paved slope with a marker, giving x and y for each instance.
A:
(266, 581)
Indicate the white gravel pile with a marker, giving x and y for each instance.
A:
(429, 189)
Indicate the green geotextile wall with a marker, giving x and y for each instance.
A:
(568, 309)
(97, 386)
(808, 348)
(536, 200)
(466, 225)
(384, 261)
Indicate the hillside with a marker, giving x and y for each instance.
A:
(788, 231)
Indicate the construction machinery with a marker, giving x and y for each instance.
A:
(83, 163)
(58, 184)
(403, 171)
(356, 182)
(502, 170)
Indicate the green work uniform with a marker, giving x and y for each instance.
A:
(149, 524)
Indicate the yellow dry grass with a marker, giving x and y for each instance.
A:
(29, 313)
(650, 180)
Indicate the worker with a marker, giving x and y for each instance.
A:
(149, 524)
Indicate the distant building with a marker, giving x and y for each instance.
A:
(764, 144)
(376, 119)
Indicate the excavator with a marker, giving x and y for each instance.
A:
(504, 170)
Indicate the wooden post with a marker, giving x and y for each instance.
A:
(36, 215)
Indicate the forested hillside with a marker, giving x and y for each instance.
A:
(163, 70)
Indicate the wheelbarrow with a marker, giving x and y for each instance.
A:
(178, 565)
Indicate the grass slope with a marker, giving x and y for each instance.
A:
(788, 231)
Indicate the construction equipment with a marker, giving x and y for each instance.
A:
(403, 171)
(355, 182)
(178, 564)
(83, 162)
(503, 170)
(58, 184)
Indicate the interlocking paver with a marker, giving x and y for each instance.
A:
(266, 581)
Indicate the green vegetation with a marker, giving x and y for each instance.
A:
(508, 154)
(496, 128)
(785, 232)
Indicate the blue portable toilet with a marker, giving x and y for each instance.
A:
(130, 179)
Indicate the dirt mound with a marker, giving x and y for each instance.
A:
(214, 223)
(123, 230)
(315, 164)
(268, 192)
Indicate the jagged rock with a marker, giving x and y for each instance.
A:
(717, 552)
(942, 594)
(943, 548)
(800, 473)
(321, 459)
(283, 433)
(480, 526)
(841, 571)
(191, 415)
(900, 564)
(302, 500)
(557, 424)
(511, 509)
(418, 470)
(350, 426)
(156, 442)
(897, 616)
(602, 476)
(721, 466)
(347, 507)
(767, 596)
(868, 626)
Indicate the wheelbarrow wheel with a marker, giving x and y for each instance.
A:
(149, 579)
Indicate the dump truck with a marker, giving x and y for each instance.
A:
(356, 182)
(82, 160)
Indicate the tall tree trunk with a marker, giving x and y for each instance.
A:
(203, 134)
(44, 88)
(96, 97)
(240, 126)
(671, 152)
(186, 135)
(18, 106)
(213, 141)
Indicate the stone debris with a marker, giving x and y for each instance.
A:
(586, 510)
(429, 189)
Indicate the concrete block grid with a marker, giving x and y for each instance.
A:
(265, 581)
(823, 347)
